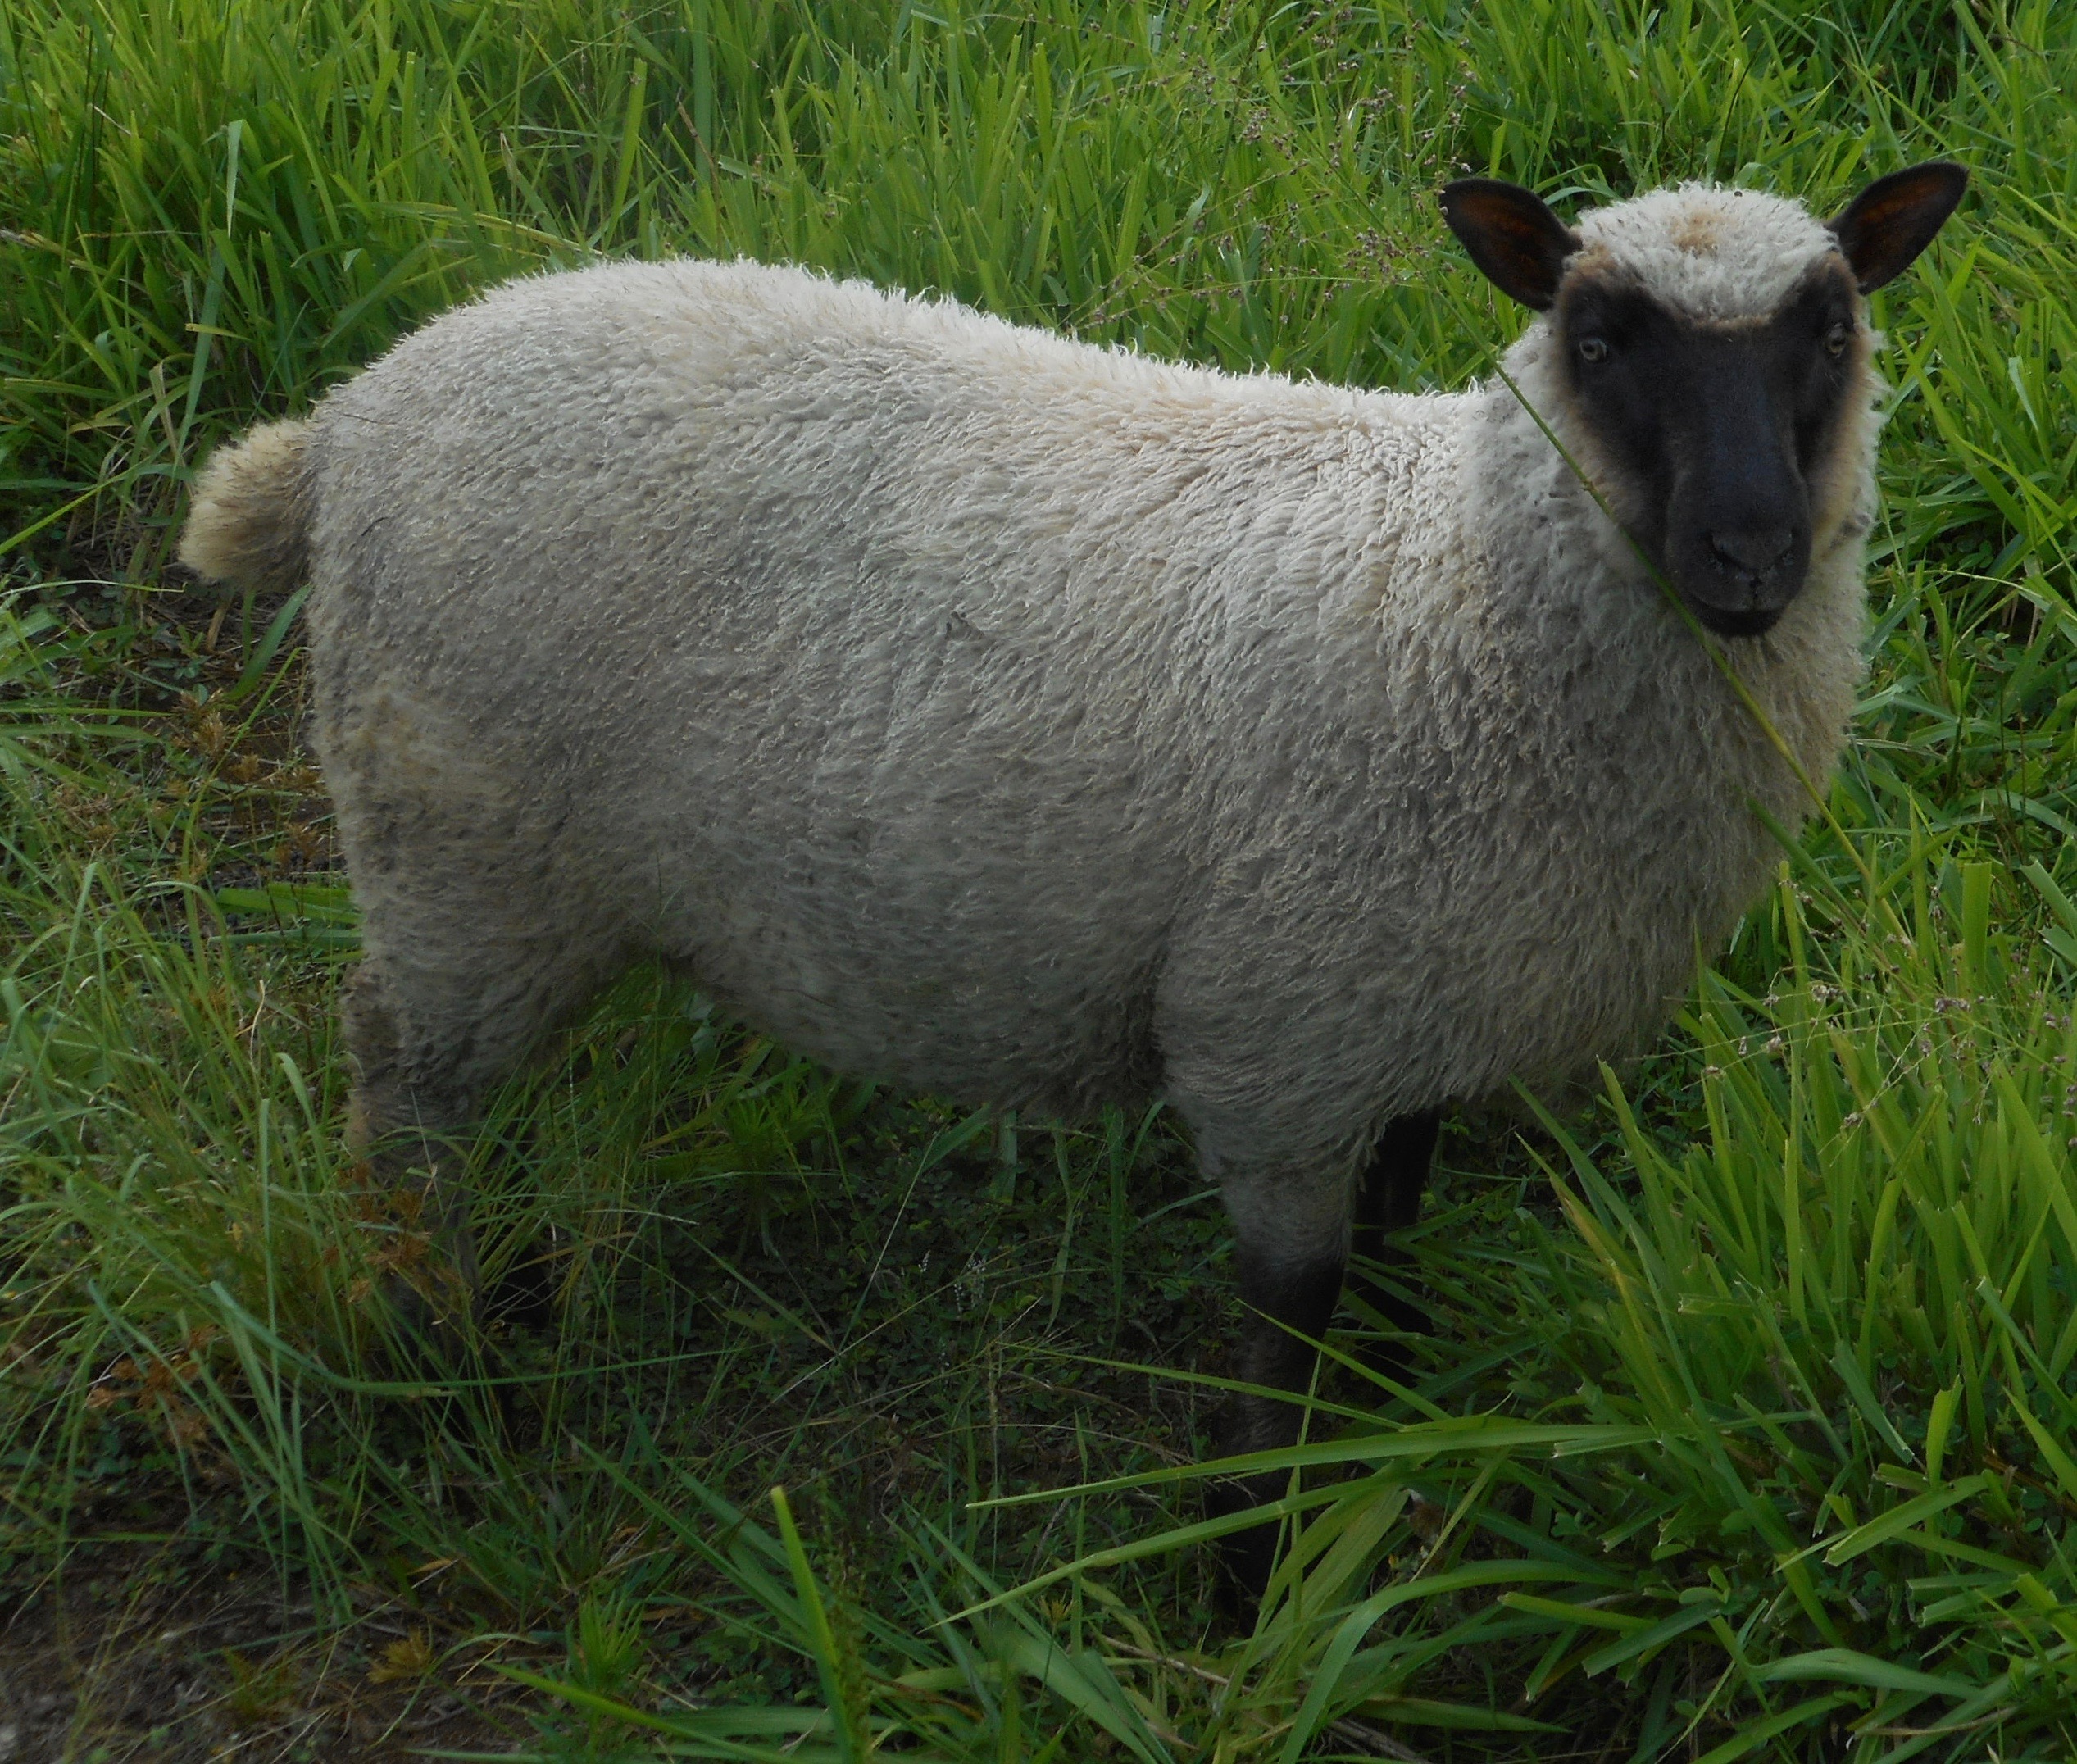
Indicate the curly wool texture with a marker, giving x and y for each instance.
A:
(1037, 723)
(1713, 253)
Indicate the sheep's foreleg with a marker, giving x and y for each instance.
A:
(1386, 1203)
(1291, 1300)
(1287, 1300)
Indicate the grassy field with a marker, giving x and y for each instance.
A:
(1748, 1425)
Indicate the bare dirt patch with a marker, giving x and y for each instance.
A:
(130, 1658)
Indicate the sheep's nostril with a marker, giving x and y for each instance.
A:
(1753, 551)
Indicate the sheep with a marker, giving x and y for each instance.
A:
(1044, 725)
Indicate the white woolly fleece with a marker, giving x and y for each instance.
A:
(1710, 252)
(1033, 722)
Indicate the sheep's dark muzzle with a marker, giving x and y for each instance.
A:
(1738, 515)
(1754, 621)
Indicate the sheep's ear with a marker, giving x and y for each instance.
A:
(1889, 223)
(1520, 244)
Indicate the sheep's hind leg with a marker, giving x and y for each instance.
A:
(427, 1038)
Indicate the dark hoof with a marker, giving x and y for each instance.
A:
(525, 1299)
(429, 1334)
(1247, 1558)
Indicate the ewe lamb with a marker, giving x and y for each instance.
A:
(1040, 725)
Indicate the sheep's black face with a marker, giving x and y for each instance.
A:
(1717, 434)
(1716, 431)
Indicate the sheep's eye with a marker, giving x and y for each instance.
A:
(1835, 339)
(1593, 349)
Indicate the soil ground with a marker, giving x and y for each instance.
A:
(128, 1660)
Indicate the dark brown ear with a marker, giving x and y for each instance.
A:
(1889, 223)
(1520, 244)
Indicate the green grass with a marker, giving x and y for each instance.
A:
(1749, 1424)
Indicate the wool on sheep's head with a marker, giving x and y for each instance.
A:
(1708, 353)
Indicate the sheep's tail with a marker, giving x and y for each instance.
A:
(250, 521)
